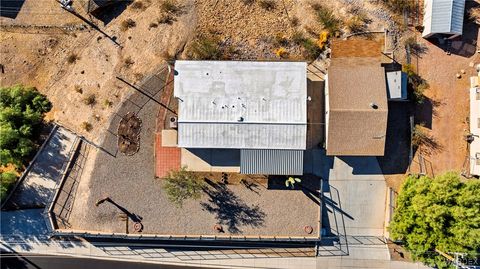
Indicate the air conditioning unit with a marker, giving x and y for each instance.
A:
(173, 122)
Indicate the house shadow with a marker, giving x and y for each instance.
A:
(217, 157)
(362, 165)
(231, 210)
(397, 142)
(108, 12)
(10, 8)
(22, 229)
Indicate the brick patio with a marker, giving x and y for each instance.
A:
(166, 158)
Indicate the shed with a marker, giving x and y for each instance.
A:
(443, 17)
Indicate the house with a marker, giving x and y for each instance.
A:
(250, 116)
(443, 18)
(475, 131)
(356, 107)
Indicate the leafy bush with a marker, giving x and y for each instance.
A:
(21, 115)
(182, 185)
(7, 179)
(441, 213)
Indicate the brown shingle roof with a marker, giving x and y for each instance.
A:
(354, 85)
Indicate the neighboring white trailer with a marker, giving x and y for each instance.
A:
(443, 17)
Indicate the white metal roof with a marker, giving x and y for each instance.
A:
(234, 104)
(397, 85)
(443, 17)
(475, 130)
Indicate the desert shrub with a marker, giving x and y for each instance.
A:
(78, 89)
(280, 40)
(166, 18)
(474, 14)
(248, 2)
(138, 5)
(127, 24)
(170, 6)
(128, 62)
(440, 213)
(418, 92)
(355, 24)
(7, 180)
(205, 49)
(281, 52)
(87, 126)
(181, 185)
(328, 20)
(399, 6)
(107, 103)
(153, 25)
(267, 4)
(311, 49)
(298, 37)
(294, 21)
(21, 116)
(72, 58)
(90, 100)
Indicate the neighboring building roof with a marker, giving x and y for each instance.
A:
(356, 99)
(271, 162)
(244, 105)
(397, 85)
(475, 130)
(443, 17)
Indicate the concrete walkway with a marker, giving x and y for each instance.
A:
(35, 190)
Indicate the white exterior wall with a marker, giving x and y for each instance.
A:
(475, 130)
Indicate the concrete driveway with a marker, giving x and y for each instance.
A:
(355, 193)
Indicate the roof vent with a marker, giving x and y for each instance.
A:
(373, 105)
(240, 119)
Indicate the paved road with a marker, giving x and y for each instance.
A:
(21, 261)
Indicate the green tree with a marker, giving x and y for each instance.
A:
(21, 114)
(7, 179)
(181, 185)
(441, 213)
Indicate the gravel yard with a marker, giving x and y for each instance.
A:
(130, 183)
